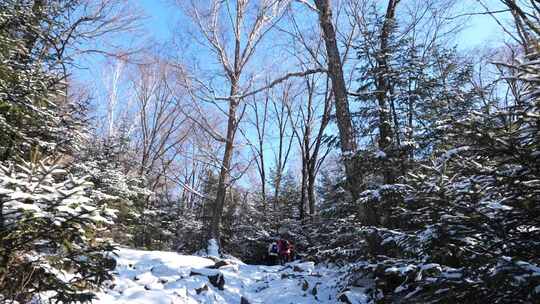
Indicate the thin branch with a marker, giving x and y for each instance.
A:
(309, 5)
(274, 83)
(475, 14)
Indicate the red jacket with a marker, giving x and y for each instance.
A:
(284, 247)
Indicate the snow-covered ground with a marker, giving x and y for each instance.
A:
(171, 278)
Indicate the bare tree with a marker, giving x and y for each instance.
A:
(241, 15)
(162, 127)
(309, 132)
(260, 122)
(284, 122)
(525, 18)
(339, 88)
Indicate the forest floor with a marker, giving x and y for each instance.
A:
(169, 278)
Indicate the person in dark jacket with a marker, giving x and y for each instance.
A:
(273, 253)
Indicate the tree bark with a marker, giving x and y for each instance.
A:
(303, 192)
(343, 116)
(311, 192)
(224, 174)
(284, 145)
(383, 89)
(260, 125)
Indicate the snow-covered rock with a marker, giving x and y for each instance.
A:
(170, 278)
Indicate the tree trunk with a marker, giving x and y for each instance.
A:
(224, 174)
(277, 187)
(311, 191)
(284, 147)
(303, 195)
(383, 89)
(260, 124)
(410, 132)
(373, 215)
(343, 116)
(263, 182)
(30, 37)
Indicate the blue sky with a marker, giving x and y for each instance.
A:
(163, 18)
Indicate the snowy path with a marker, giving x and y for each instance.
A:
(169, 278)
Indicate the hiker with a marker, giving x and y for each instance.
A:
(292, 252)
(272, 253)
(284, 250)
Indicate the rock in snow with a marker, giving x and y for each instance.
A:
(169, 278)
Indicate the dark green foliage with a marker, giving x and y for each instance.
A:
(463, 226)
(51, 224)
(49, 234)
(33, 108)
(422, 85)
(109, 166)
(460, 224)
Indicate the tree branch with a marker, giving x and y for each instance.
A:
(274, 83)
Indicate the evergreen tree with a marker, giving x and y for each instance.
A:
(53, 239)
(422, 87)
(109, 165)
(464, 221)
(50, 234)
(33, 108)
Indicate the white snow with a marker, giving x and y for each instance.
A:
(452, 152)
(356, 295)
(213, 248)
(379, 154)
(170, 278)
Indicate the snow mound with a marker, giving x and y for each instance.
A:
(169, 278)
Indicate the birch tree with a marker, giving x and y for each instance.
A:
(248, 23)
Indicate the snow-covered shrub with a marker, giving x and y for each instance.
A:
(335, 240)
(462, 224)
(119, 190)
(50, 234)
(34, 111)
(189, 232)
(245, 224)
(468, 227)
(246, 227)
(109, 165)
